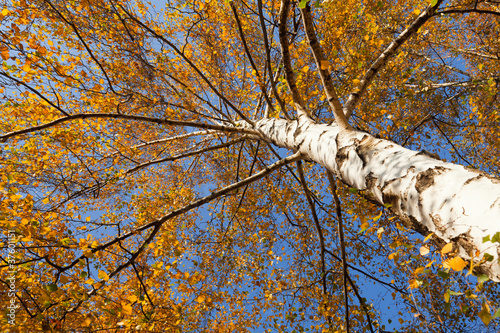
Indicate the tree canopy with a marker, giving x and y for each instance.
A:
(219, 165)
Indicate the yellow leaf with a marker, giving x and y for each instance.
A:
(380, 232)
(355, 82)
(447, 296)
(64, 279)
(419, 270)
(424, 250)
(414, 284)
(45, 201)
(447, 248)
(457, 263)
(200, 299)
(132, 298)
(428, 236)
(127, 309)
(5, 12)
(305, 69)
(103, 276)
(324, 64)
(485, 314)
(50, 43)
(429, 264)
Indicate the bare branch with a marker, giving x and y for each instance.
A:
(172, 138)
(466, 11)
(300, 170)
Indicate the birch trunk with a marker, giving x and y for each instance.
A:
(457, 204)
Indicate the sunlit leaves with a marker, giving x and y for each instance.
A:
(239, 261)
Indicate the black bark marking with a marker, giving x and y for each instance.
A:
(484, 174)
(413, 224)
(470, 180)
(425, 179)
(497, 201)
(393, 200)
(362, 149)
(342, 155)
(370, 181)
(323, 133)
(300, 143)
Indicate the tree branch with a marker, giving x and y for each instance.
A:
(355, 96)
(5, 137)
(324, 74)
(260, 80)
(285, 52)
(268, 59)
(333, 188)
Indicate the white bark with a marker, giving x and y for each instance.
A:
(456, 203)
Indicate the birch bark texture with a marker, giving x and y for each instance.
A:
(457, 204)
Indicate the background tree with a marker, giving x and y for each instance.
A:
(171, 167)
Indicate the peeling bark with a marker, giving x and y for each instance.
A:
(456, 203)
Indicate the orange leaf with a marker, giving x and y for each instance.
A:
(4, 52)
(447, 248)
(457, 263)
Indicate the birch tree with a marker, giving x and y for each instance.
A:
(250, 165)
